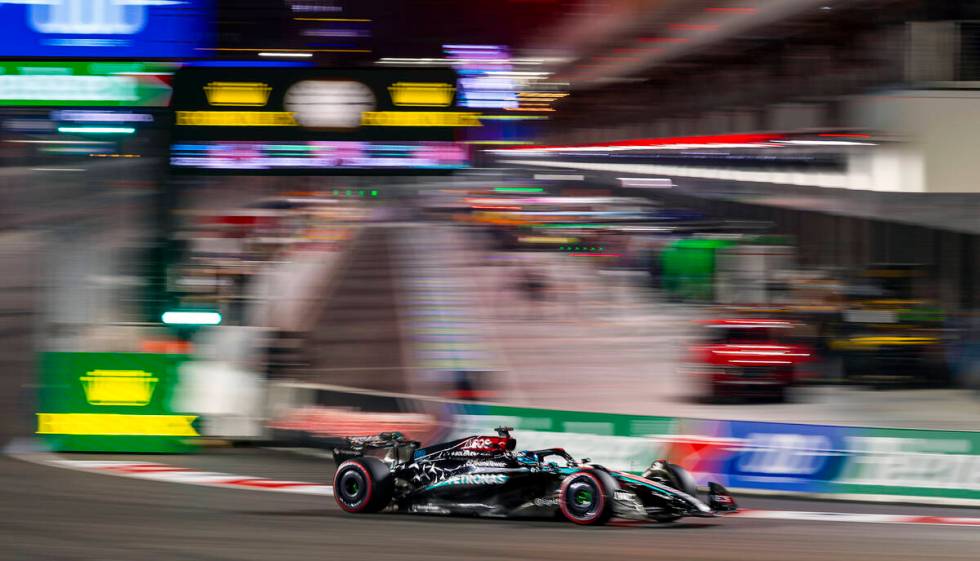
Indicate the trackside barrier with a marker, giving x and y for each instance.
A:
(112, 402)
(859, 463)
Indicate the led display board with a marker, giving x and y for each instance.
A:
(112, 402)
(314, 120)
(317, 156)
(313, 104)
(484, 69)
(85, 84)
(105, 28)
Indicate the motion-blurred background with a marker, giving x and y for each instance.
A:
(275, 222)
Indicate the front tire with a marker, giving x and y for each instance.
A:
(362, 485)
(585, 497)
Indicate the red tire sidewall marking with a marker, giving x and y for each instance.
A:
(367, 479)
(562, 496)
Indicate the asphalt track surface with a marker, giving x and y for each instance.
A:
(54, 514)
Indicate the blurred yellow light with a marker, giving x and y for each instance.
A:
(237, 93)
(546, 239)
(875, 341)
(236, 119)
(119, 387)
(115, 424)
(419, 119)
(427, 94)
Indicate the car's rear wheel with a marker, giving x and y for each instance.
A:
(362, 485)
(585, 497)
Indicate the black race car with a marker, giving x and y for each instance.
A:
(484, 476)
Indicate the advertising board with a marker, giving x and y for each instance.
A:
(112, 402)
(773, 458)
(105, 28)
(317, 120)
(319, 104)
(85, 84)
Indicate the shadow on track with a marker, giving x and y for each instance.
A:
(442, 519)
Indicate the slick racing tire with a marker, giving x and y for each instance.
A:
(362, 485)
(585, 497)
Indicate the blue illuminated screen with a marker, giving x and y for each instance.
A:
(105, 28)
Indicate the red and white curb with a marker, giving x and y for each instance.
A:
(173, 474)
(857, 518)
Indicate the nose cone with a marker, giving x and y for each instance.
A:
(720, 500)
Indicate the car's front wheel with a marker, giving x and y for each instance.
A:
(586, 497)
(362, 485)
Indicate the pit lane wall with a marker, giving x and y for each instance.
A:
(895, 465)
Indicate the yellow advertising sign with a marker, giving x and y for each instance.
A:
(421, 94)
(254, 94)
(105, 424)
(419, 119)
(118, 387)
(236, 119)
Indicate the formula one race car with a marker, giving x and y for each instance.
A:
(484, 476)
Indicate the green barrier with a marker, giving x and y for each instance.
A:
(112, 402)
(609, 424)
(773, 458)
(920, 463)
(917, 465)
(626, 442)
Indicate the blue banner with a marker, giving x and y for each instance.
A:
(784, 457)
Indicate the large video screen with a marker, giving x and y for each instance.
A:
(105, 28)
(317, 156)
(319, 104)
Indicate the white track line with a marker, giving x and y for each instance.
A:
(162, 472)
(862, 518)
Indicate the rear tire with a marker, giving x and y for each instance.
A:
(363, 485)
(585, 497)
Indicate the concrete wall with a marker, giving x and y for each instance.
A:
(941, 126)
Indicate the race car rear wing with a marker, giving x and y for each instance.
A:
(355, 446)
